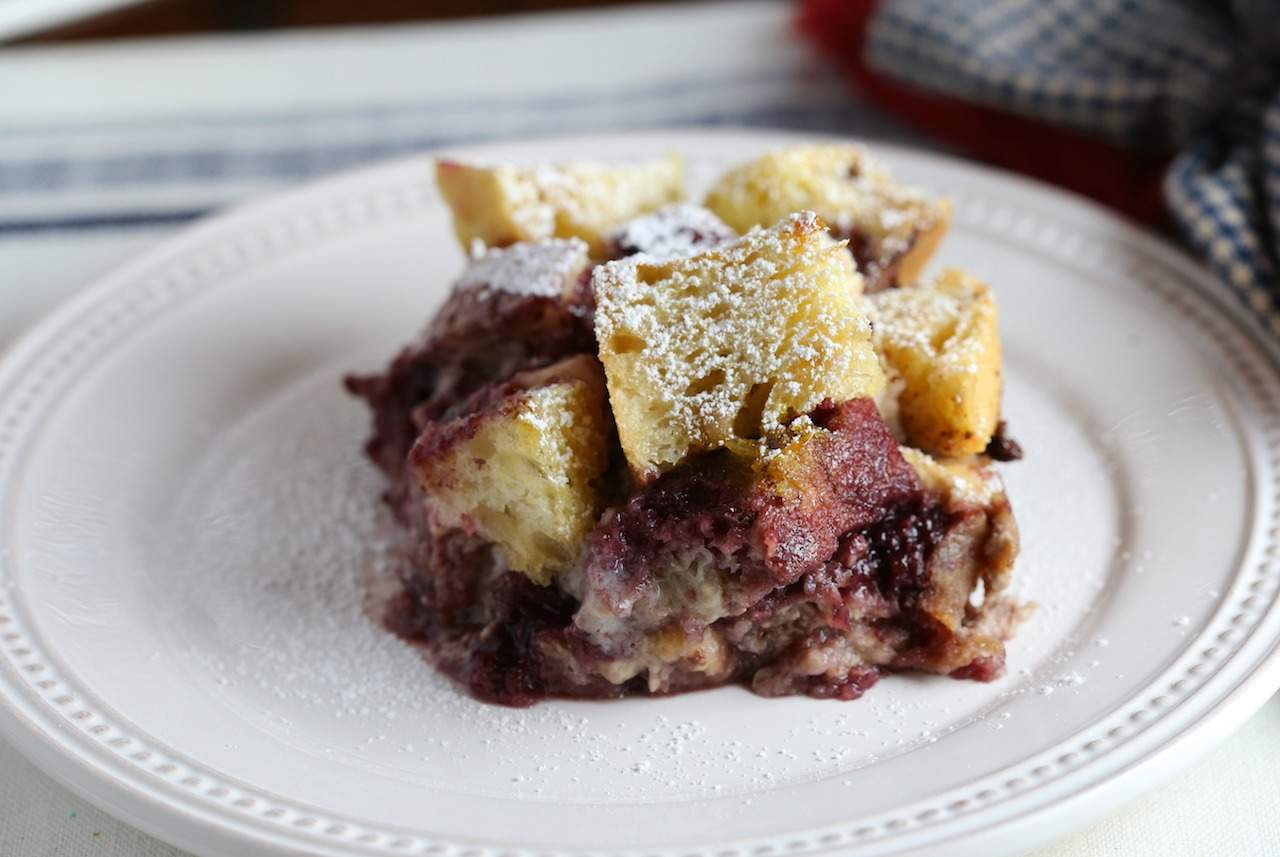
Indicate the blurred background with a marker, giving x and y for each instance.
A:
(34, 21)
(122, 121)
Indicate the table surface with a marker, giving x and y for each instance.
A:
(105, 150)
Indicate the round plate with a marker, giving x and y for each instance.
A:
(189, 533)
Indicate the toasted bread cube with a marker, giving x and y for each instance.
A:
(523, 471)
(943, 341)
(892, 229)
(502, 205)
(729, 346)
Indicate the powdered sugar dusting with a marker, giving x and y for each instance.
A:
(673, 232)
(851, 190)
(582, 198)
(919, 318)
(686, 342)
(268, 602)
(942, 338)
(550, 412)
(538, 268)
(265, 586)
(258, 592)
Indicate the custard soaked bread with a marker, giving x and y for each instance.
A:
(522, 468)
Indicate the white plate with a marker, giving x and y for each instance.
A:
(186, 528)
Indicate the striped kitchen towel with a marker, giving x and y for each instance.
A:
(1161, 108)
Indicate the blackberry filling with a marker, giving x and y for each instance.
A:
(715, 523)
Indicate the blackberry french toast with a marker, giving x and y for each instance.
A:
(645, 454)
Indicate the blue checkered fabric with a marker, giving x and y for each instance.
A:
(1196, 77)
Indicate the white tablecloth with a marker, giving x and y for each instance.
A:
(105, 150)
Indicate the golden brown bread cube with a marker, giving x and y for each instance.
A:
(501, 205)
(728, 346)
(940, 343)
(523, 471)
(892, 229)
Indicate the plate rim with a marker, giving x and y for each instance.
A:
(74, 768)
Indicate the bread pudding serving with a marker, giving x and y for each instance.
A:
(647, 446)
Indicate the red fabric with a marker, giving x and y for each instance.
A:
(1123, 179)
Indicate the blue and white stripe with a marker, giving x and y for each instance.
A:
(168, 169)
